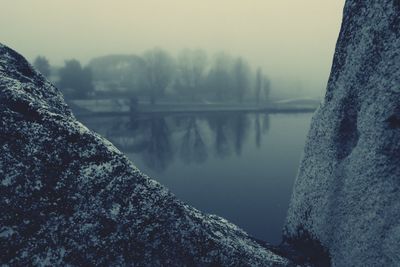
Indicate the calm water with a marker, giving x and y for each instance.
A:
(239, 166)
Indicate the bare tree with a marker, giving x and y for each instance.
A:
(241, 73)
(220, 76)
(75, 81)
(42, 65)
(258, 85)
(266, 87)
(159, 69)
(191, 66)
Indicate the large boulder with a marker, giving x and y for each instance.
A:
(69, 197)
(346, 200)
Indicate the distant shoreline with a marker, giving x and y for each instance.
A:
(176, 110)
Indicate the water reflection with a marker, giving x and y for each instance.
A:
(261, 125)
(159, 139)
(240, 126)
(220, 127)
(193, 148)
(237, 165)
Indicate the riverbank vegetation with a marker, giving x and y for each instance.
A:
(192, 76)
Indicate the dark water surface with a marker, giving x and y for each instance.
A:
(239, 166)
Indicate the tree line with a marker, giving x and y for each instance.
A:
(191, 76)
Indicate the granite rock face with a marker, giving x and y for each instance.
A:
(69, 197)
(346, 200)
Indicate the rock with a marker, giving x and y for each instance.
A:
(346, 200)
(69, 197)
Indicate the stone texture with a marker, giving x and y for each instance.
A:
(69, 197)
(346, 200)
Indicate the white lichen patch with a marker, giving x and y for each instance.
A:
(7, 180)
(38, 185)
(114, 211)
(6, 232)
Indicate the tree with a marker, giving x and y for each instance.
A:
(191, 65)
(158, 73)
(75, 81)
(241, 72)
(258, 85)
(266, 87)
(220, 76)
(42, 65)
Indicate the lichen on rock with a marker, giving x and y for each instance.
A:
(346, 196)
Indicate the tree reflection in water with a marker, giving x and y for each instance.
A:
(148, 136)
(231, 131)
(157, 138)
(218, 124)
(240, 126)
(193, 147)
(261, 127)
(158, 153)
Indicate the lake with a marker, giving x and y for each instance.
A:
(240, 166)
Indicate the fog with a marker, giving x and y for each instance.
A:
(212, 98)
(293, 41)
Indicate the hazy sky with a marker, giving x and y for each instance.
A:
(292, 40)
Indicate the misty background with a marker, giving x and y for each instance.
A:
(211, 98)
(292, 41)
